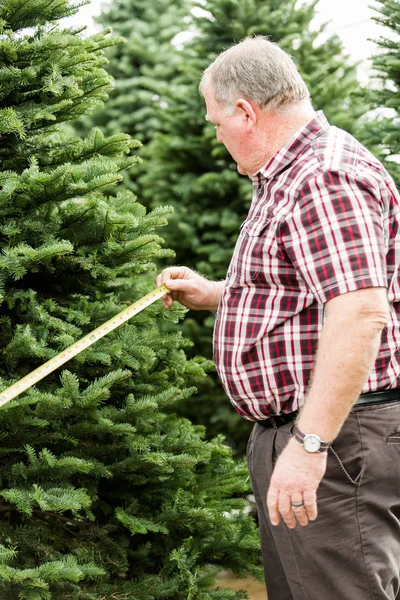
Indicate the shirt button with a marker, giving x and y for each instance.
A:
(228, 274)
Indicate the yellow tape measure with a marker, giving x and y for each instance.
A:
(89, 339)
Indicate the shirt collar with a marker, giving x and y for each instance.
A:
(293, 147)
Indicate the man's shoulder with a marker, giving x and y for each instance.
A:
(337, 150)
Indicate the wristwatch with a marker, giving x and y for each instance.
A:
(311, 442)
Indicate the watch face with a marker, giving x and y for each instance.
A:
(311, 442)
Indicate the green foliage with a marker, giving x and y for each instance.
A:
(144, 66)
(104, 491)
(380, 131)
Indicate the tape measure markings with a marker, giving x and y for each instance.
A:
(51, 365)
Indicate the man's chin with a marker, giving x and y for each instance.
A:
(240, 170)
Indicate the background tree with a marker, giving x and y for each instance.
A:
(104, 491)
(186, 167)
(142, 67)
(380, 131)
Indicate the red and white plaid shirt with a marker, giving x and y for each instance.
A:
(323, 221)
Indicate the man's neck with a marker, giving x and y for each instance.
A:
(276, 129)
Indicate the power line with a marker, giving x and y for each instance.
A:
(353, 24)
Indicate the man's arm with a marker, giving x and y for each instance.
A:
(190, 289)
(347, 351)
(346, 354)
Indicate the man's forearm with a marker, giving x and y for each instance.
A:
(346, 354)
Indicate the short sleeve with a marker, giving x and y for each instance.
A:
(334, 235)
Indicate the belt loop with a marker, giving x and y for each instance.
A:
(278, 420)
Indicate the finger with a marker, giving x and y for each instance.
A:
(160, 279)
(272, 505)
(310, 504)
(299, 512)
(174, 278)
(285, 510)
(175, 273)
(167, 301)
(185, 286)
(179, 285)
(164, 275)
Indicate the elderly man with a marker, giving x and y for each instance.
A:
(307, 333)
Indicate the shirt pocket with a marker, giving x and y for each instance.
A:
(248, 258)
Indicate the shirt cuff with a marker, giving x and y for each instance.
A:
(324, 294)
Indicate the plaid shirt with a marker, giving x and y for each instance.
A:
(323, 221)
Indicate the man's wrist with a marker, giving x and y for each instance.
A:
(218, 287)
(311, 442)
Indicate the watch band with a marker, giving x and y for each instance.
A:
(302, 439)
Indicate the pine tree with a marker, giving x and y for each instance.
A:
(381, 132)
(143, 67)
(105, 492)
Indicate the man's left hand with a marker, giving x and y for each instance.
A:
(292, 493)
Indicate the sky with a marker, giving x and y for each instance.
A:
(352, 20)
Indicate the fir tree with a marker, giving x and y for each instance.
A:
(143, 67)
(105, 492)
(381, 133)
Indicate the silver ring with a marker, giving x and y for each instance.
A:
(297, 504)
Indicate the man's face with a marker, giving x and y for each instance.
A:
(232, 131)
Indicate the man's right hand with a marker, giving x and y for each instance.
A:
(190, 289)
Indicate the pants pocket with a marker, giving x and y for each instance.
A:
(352, 468)
(393, 438)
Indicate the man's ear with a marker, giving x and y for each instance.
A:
(248, 110)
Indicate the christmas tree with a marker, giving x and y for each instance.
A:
(105, 492)
(186, 167)
(380, 132)
(143, 67)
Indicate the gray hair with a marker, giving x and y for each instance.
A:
(258, 70)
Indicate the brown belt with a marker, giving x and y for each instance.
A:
(363, 400)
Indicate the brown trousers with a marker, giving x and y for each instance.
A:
(352, 550)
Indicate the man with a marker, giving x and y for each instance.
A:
(307, 333)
